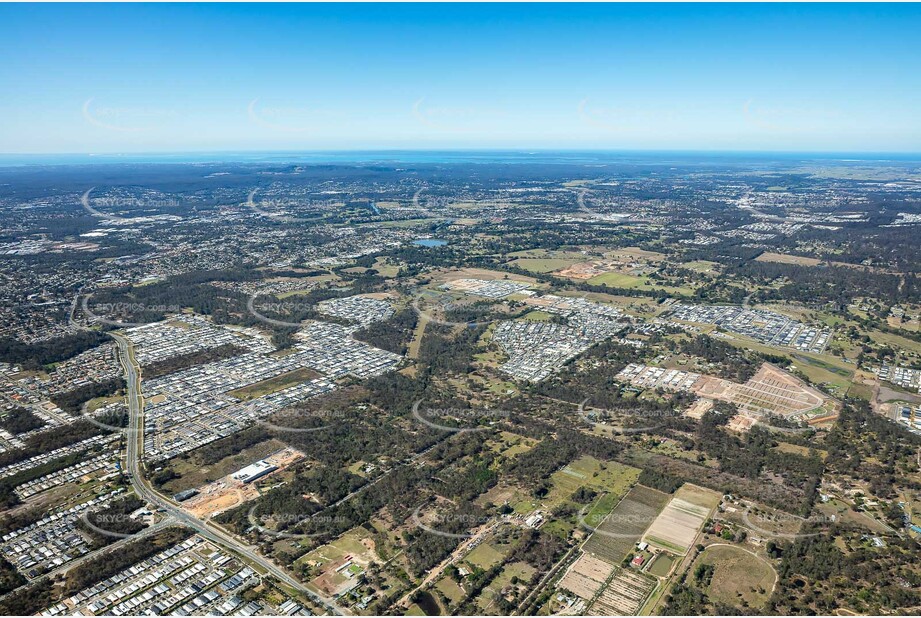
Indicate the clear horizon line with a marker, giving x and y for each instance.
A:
(457, 149)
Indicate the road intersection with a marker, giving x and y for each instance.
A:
(134, 470)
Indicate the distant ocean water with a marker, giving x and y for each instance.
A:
(417, 157)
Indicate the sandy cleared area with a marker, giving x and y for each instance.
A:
(227, 492)
(770, 391)
(587, 270)
(699, 408)
(217, 497)
(741, 423)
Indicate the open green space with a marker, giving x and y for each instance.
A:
(484, 556)
(662, 565)
(602, 477)
(738, 576)
(272, 385)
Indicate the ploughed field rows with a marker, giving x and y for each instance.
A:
(586, 576)
(677, 525)
(624, 595)
(675, 528)
(623, 527)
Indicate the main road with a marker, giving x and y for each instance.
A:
(134, 449)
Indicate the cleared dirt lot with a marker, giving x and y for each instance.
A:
(227, 492)
(770, 391)
(478, 273)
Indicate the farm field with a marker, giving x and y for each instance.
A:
(484, 556)
(620, 280)
(611, 477)
(586, 576)
(450, 589)
(624, 595)
(445, 276)
(738, 576)
(633, 282)
(616, 535)
(701, 266)
(677, 525)
(602, 506)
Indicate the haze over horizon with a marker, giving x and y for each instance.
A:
(237, 78)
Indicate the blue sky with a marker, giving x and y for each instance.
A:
(173, 78)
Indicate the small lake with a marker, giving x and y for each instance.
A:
(430, 242)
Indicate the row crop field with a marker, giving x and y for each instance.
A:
(677, 525)
(622, 528)
(624, 595)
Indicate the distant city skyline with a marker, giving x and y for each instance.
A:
(234, 78)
